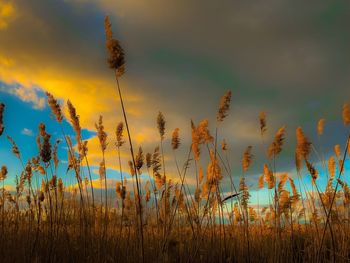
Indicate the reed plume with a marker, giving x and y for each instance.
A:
(101, 134)
(45, 151)
(102, 171)
(139, 160)
(55, 154)
(312, 170)
(156, 165)
(247, 159)
(320, 127)
(119, 134)
(161, 125)
(3, 172)
(116, 56)
(203, 131)
(261, 182)
(201, 175)
(337, 151)
(15, 149)
(296, 195)
(148, 160)
(214, 174)
(269, 177)
(175, 140)
(195, 142)
(224, 145)
(346, 114)
(55, 107)
(262, 119)
(200, 135)
(224, 106)
(245, 193)
(74, 120)
(298, 161)
(331, 167)
(303, 144)
(282, 181)
(276, 146)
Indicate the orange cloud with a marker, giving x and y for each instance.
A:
(7, 12)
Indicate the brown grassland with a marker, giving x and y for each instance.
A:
(164, 221)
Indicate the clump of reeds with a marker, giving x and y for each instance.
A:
(165, 217)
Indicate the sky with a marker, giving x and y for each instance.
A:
(290, 59)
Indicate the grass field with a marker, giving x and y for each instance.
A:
(162, 219)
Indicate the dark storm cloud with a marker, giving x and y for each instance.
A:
(288, 58)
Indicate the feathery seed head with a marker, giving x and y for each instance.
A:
(312, 170)
(247, 158)
(175, 140)
(148, 160)
(224, 106)
(3, 172)
(261, 182)
(15, 149)
(303, 145)
(131, 167)
(74, 120)
(276, 146)
(139, 160)
(269, 178)
(156, 166)
(116, 57)
(223, 145)
(331, 166)
(346, 114)
(55, 107)
(119, 134)
(102, 170)
(262, 119)
(320, 127)
(161, 125)
(101, 134)
(45, 150)
(337, 151)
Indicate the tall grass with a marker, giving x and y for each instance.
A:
(43, 220)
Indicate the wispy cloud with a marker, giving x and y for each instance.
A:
(30, 95)
(27, 132)
(26, 94)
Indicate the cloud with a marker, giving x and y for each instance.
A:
(7, 13)
(27, 94)
(276, 56)
(27, 132)
(30, 95)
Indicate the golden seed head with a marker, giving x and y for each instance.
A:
(116, 56)
(346, 114)
(224, 106)
(119, 134)
(320, 127)
(3, 172)
(175, 140)
(101, 134)
(161, 125)
(55, 107)
(247, 158)
(276, 146)
(262, 119)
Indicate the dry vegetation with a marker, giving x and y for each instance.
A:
(164, 221)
